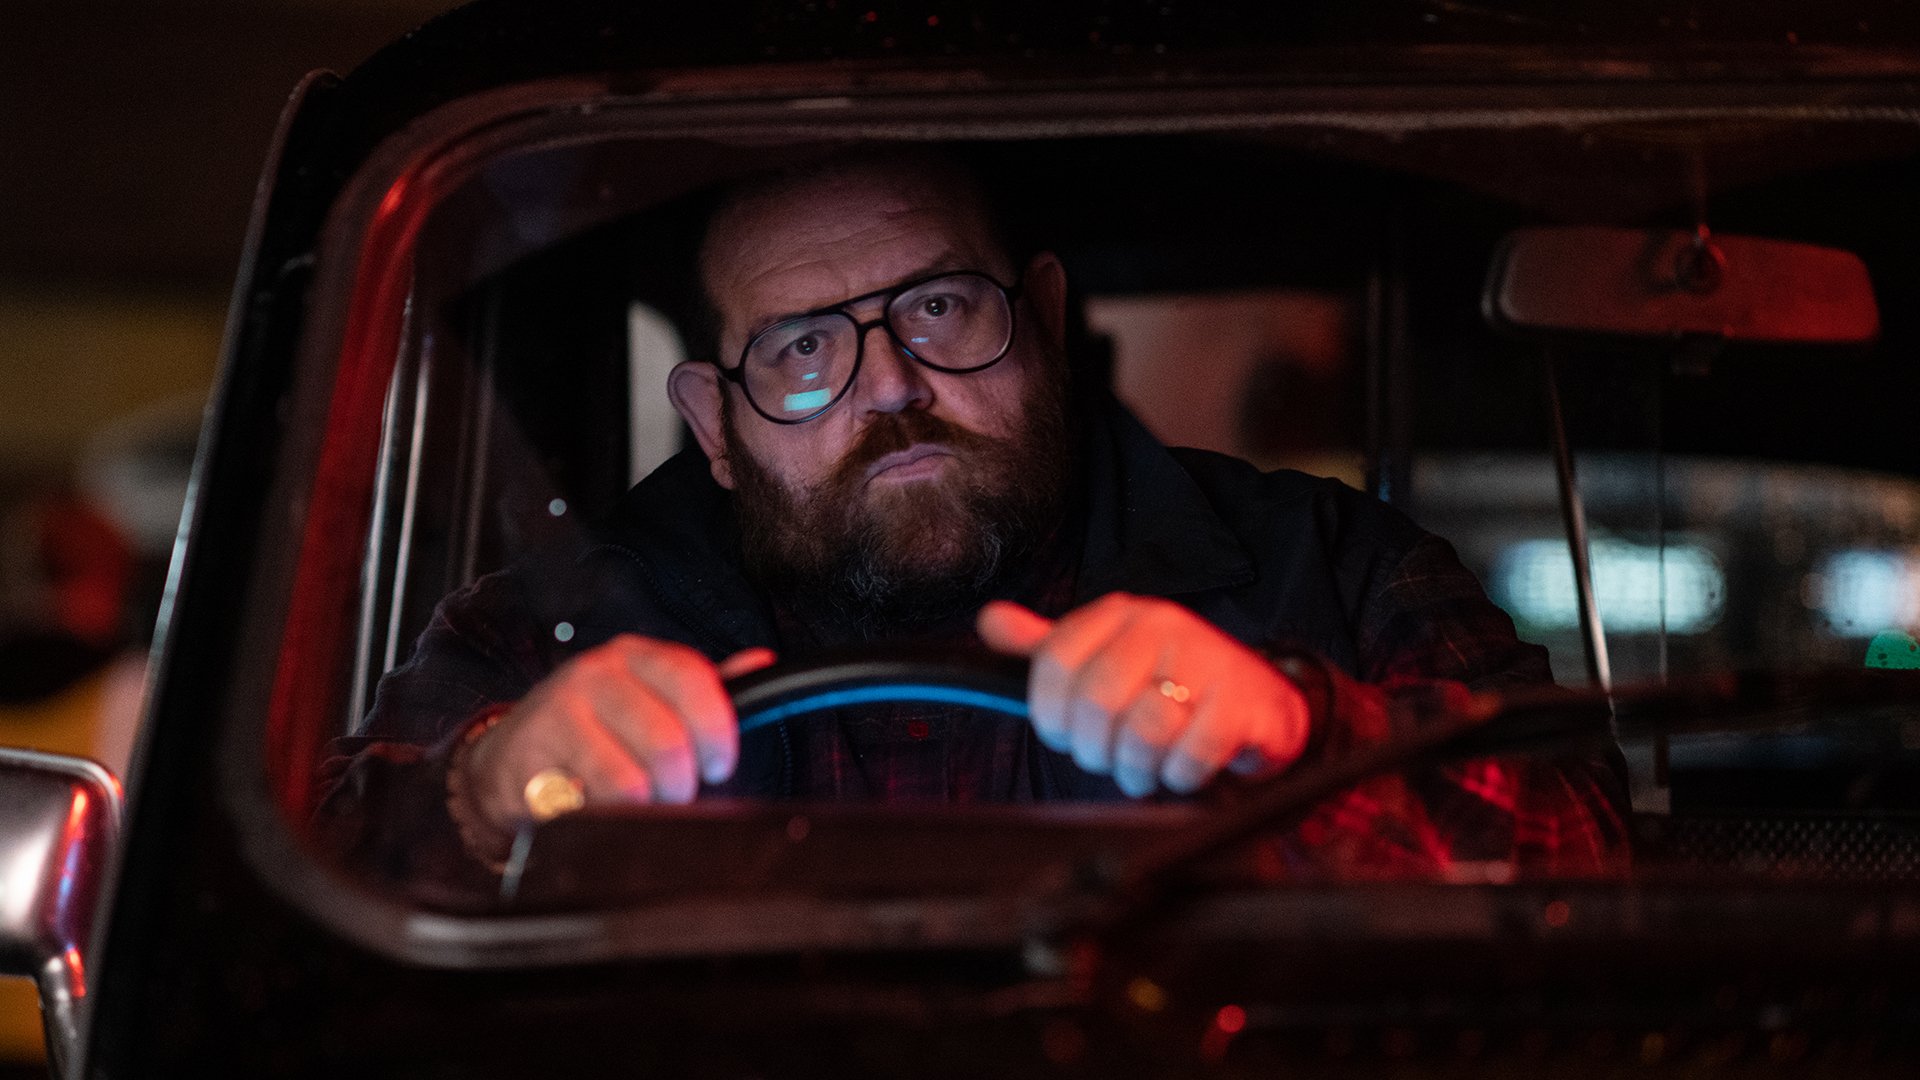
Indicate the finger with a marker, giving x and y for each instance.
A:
(608, 775)
(1148, 728)
(1250, 762)
(651, 731)
(1279, 734)
(1009, 628)
(1057, 660)
(1153, 636)
(690, 685)
(746, 661)
(1216, 732)
(565, 735)
(1106, 684)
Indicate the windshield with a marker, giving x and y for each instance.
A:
(633, 377)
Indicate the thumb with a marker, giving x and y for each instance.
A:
(744, 661)
(1009, 628)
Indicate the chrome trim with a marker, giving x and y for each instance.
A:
(370, 572)
(409, 503)
(60, 823)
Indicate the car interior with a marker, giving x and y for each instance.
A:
(1311, 297)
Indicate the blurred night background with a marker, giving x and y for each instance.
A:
(131, 136)
(133, 133)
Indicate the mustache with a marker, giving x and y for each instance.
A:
(890, 433)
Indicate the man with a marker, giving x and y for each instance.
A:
(891, 446)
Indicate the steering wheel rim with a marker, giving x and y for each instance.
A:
(970, 679)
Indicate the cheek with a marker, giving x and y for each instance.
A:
(989, 402)
(799, 457)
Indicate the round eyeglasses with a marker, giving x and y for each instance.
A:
(957, 323)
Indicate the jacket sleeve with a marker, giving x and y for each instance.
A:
(1427, 634)
(384, 802)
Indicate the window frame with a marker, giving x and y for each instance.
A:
(351, 341)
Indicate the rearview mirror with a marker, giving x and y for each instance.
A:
(1662, 284)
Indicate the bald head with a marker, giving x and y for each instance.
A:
(775, 234)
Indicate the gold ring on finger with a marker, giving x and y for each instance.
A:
(552, 792)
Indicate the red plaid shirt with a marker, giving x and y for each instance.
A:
(1431, 635)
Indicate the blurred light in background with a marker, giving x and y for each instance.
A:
(1533, 580)
(1862, 592)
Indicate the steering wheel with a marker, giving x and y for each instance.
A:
(974, 680)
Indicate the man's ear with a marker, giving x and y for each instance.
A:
(694, 388)
(1045, 287)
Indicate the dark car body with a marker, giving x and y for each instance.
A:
(231, 945)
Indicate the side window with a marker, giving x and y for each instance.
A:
(653, 349)
(1268, 375)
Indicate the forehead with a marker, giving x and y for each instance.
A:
(820, 240)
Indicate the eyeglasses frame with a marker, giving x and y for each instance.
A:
(737, 373)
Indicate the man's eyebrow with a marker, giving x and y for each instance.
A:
(946, 262)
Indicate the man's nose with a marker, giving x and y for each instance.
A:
(890, 380)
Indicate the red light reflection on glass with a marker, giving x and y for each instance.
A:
(396, 195)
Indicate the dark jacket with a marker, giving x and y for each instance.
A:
(1287, 563)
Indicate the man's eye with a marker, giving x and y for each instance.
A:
(801, 350)
(935, 307)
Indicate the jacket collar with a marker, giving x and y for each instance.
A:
(1150, 528)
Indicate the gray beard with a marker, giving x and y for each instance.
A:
(871, 591)
(870, 564)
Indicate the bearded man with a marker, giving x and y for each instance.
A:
(892, 447)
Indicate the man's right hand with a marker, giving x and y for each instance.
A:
(634, 720)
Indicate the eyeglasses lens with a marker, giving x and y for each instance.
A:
(956, 323)
(797, 368)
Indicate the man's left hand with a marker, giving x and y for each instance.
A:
(1146, 691)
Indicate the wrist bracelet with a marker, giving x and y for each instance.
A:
(459, 804)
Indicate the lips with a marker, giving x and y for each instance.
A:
(904, 460)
